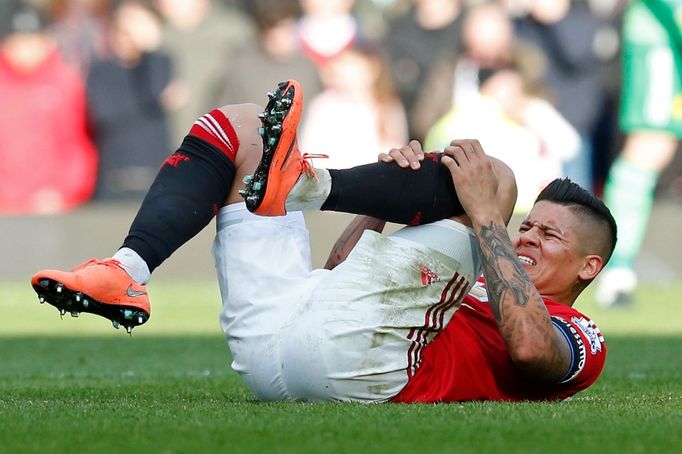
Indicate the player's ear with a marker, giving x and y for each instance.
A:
(592, 265)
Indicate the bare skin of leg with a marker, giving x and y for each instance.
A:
(651, 150)
(245, 121)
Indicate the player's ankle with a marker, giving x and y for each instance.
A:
(134, 265)
(309, 193)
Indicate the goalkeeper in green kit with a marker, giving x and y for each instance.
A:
(651, 117)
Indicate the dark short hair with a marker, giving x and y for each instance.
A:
(565, 192)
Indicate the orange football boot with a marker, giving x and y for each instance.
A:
(282, 163)
(100, 287)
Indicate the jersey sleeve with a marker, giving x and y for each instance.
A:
(588, 351)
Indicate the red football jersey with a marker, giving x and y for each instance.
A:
(469, 360)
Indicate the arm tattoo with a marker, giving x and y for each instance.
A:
(504, 276)
(519, 310)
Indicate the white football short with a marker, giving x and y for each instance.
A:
(355, 333)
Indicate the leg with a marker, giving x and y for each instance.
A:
(630, 194)
(388, 192)
(651, 89)
(264, 272)
(189, 189)
(380, 190)
(195, 181)
(285, 180)
(506, 201)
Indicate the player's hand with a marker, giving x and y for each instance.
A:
(474, 177)
(409, 155)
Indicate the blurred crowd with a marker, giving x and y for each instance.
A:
(94, 94)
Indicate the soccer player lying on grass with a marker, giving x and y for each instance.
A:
(402, 318)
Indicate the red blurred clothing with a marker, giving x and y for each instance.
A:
(469, 359)
(47, 160)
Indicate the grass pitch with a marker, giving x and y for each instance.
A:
(78, 385)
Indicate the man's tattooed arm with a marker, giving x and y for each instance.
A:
(350, 237)
(534, 343)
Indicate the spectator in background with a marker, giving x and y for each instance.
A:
(485, 44)
(493, 88)
(565, 30)
(47, 161)
(416, 41)
(201, 36)
(79, 27)
(358, 115)
(651, 116)
(275, 56)
(327, 28)
(125, 103)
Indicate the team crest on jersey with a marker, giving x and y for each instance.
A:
(428, 275)
(591, 332)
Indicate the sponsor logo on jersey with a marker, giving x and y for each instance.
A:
(591, 332)
(428, 275)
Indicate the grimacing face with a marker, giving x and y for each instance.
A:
(551, 248)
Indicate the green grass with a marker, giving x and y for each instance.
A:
(77, 385)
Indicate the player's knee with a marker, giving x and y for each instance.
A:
(243, 117)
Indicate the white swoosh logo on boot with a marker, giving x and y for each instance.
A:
(134, 293)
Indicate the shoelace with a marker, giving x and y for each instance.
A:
(307, 165)
(106, 262)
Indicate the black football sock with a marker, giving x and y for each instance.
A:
(394, 194)
(188, 191)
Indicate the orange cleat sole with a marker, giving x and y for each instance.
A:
(280, 166)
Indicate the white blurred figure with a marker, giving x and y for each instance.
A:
(358, 115)
(327, 28)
